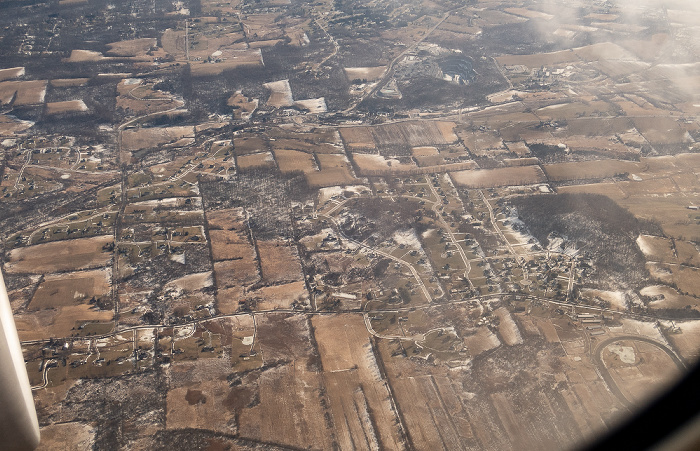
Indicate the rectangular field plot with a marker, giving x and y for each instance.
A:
(487, 178)
(69, 255)
(71, 289)
(294, 160)
(411, 134)
(234, 273)
(145, 138)
(583, 170)
(539, 59)
(279, 262)
(359, 399)
(255, 160)
(230, 245)
(62, 322)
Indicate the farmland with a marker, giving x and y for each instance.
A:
(349, 224)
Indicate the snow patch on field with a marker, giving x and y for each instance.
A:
(643, 328)
(313, 106)
(407, 238)
(193, 282)
(561, 245)
(507, 327)
(281, 93)
(168, 202)
(325, 194)
(617, 299)
(12, 72)
(626, 353)
(644, 245)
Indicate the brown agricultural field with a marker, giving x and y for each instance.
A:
(279, 262)
(201, 404)
(333, 161)
(656, 248)
(664, 130)
(583, 170)
(227, 299)
(604, 51)
(70, 289)
(249, 144)
(230, 245)
(255, 160)
(69, 106)
(145, 138)
(427, 151)
(293, 160)
(280, 296)
(483, 143)
(410, 133)
(687, 340)
(192, 282)
(539, 59)
(133, 47)
(290, 404)
(235, 273)
(481, 341)
(575, 110)
(357, 137)
(365, 73)
(67, 255)
(529, 13)
(360, 403)
(227, 219)
(10, 73)
(596, 126)
(280, 93)
(237, 58)
(23, 92)
(83, 56)
(370, 163)
(488, 178)
(55, 436)
(330, 177)
(60, 322)
(414, 133)
(8, 126)
(68, 82)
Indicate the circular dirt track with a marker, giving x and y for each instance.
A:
(607, 377)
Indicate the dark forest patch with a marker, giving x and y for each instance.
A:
(597, 226)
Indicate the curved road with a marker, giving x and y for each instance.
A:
(607, 377)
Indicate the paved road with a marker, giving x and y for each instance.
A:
(416, 276)
(436, 205)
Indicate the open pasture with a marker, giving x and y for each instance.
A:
(145, 138)
(22, 92)
(369, 74)
(584, 170)
(294, 160)
(355, 389)
(255, 160)
(280, 93)
(489, 178)
(68, 106)
(279, 262)
(69, 255)
(70, 289)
